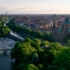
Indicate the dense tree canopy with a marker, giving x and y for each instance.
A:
(66, 38)
(28, 57)
(31, 67)
(62, 59)
(45, 43)
(4, 30)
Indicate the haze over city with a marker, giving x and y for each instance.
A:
(35, 6)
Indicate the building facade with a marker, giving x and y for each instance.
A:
(62, 31)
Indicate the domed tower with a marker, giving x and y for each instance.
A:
(66, 24)
(64, 29)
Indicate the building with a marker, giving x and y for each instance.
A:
(60, 32)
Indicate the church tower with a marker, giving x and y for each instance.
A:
(63, 30)
(66, 24)
(54, 29)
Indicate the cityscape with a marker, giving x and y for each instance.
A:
(34, 35)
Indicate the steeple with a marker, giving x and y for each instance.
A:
(55, 24)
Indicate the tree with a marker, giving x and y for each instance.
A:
(51, 67)
(40, 66)
(37, 43)
(41, 54)
(55, 46)
(45, 43)
(68, 43)
(21, 66)
(48, 37)
(51, 51)
(62, 59)
(4, 30)
(66, 38)
(22, 50)
(31, 67)
(35, 58)
(29, 40)
(17, 52)
(34, 42)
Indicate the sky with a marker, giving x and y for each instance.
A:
(35, 6)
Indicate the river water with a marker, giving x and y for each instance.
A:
(5, 62)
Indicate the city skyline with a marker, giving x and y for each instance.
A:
(35, 6)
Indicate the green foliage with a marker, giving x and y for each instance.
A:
(35, 58)
(34, 42)
(29, 57)
(37, 43)
(22, 50)
(55, 46)
(12, 20)
(21, 66)
(31, 41)
(36, 34)
(3, 19)
(30, 33)
(40, 66)
(31, 67)
(17, 52)
(66, 38)
(68, 43)
(4, 30)
(41, 54)
(51, 67)
(50, 57)
(45, 43)
(48, 37)
(62, 59)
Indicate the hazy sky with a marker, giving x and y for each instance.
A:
(35, 6)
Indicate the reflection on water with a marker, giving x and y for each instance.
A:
(5, 62)
(1, 52)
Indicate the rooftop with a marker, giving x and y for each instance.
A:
(67, 21)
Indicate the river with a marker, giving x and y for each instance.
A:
(5, 62)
